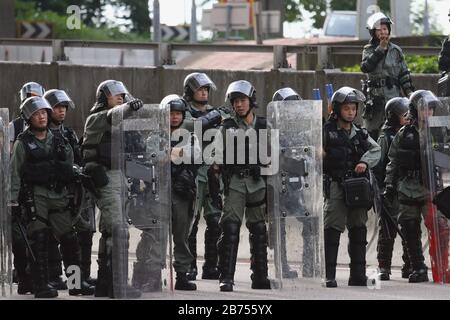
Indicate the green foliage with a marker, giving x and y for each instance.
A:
(416, 64)
(420, 64)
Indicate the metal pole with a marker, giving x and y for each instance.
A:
(156, 31)
(426, 22)
(156, 22)
(193, 29)
(228, 28)
(257, 16)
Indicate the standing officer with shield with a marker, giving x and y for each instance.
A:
(96, 150)
(292, 206)
(404, 177)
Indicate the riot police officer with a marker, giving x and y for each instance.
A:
(96, 152)
(61, 102)
(183, 193)
(197, 88)
(349, 152)
(395, 113)
(19, 249)
(289, 94)
(244, 191)
(404, 178)
(42, 170)
(18, 125)
(444, 56)
(387, 72)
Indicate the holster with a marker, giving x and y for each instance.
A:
(98, 175)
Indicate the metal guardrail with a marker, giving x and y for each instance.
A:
(163, 51)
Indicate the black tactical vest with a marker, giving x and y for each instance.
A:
(69, 134)
(408, 155)
(42, 167)
(342, 153)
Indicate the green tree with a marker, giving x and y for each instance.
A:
(137, 14)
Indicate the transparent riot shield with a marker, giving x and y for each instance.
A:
(434, 129)
(141, 244)
(295, 192)
(5, 210)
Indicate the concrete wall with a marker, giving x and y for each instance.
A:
(152, 84)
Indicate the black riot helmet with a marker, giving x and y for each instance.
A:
(31, 89)
(375, 21)
(345, 95)
(241, 88)
(418, 97)
(110, 88)
(395, 108)
(176, 103)
(286, 94)
(57, 97)
(195, 81)
(33, 104)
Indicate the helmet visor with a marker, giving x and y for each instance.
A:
(59, 97)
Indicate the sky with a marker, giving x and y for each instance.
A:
(175, 12)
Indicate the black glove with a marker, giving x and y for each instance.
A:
(184, 185)
(136, 104)
(16, 212)
(389, 193)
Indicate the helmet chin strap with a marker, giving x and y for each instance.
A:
(203, 103)
(246, 115)
(58, 123)
(40, 129)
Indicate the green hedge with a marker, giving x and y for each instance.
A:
(416, 64)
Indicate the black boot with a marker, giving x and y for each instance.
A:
(39, 268)
(192, 242)
(258, 255)
(55, 264)
(285, 268)
(385, 246)
(331, 239)
(357, 251)
(21, 271)
(182, 283)
(85, 241)
(406, 268)
(104, 285)
(413, 234)
(120, 245)
(228, 247)
(212, 234)
(146, 278)
(70, 250)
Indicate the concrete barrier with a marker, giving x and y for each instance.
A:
(152, 84)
